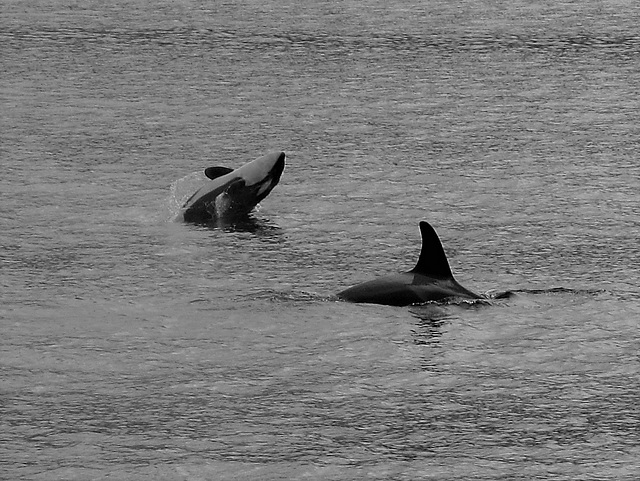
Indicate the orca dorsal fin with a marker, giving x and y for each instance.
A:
(215, 172)
(433, 261)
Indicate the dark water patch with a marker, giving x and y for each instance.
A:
(627, 44)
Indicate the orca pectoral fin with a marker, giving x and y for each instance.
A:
(215, 172)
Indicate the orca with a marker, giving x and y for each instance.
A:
(232, 194)
(430, 280)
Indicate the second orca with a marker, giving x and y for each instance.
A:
(430, 280)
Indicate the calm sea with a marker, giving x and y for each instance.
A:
(135, 347)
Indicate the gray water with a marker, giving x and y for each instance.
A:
(137, 347)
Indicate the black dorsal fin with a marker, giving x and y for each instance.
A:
(433, 261)
(215, 172)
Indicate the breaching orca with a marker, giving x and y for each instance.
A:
(234, 193)
(430, 280)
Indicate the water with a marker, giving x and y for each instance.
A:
(137, 347)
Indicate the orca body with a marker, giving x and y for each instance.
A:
(232, 194)
(430, 280)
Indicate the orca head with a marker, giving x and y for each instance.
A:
(253, 182)
(260, 177)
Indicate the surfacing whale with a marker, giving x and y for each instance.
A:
(232, 194)
(430, 280)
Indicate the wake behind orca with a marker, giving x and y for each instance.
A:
(430, 280)
(232, 194)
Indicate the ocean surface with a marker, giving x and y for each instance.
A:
(137, 347)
